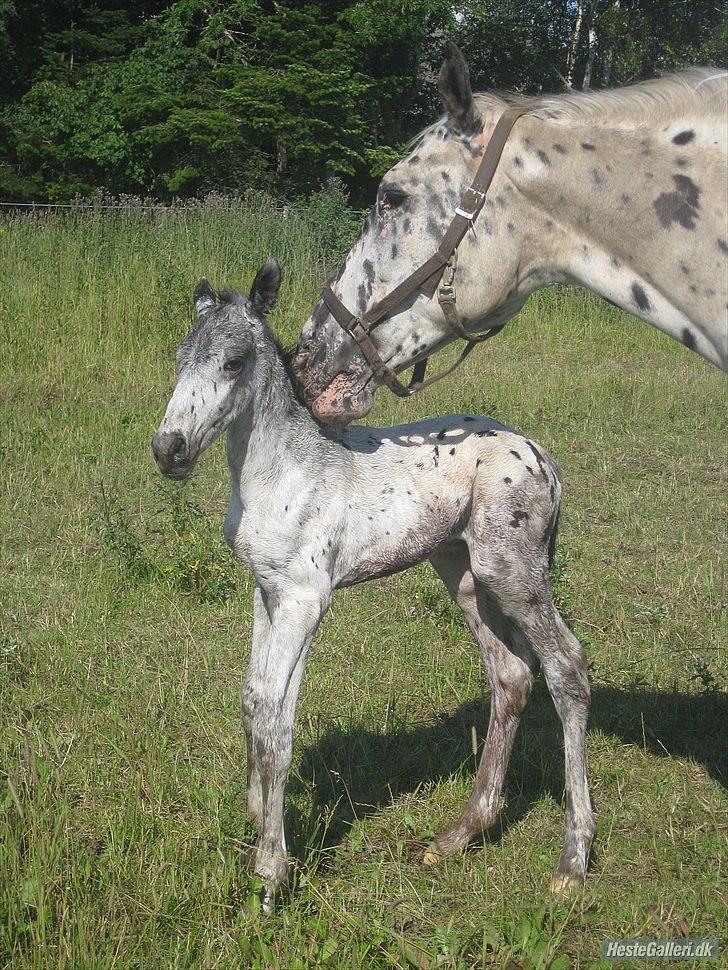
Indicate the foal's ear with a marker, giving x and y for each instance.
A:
(204, 296)
(267, 282)
(456, 93)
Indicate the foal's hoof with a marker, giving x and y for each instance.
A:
(267, 900)
(432, 856)
(563, 884)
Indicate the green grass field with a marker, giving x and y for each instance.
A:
(124, 628)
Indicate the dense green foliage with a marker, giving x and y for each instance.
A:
(178, 97)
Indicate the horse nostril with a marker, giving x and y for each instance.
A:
(169, 448)
(177, 447)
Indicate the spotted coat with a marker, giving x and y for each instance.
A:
(312, 510)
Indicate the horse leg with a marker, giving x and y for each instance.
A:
(568, 683)
(293, 625)
(250, 689)
(520, 589)
(511, 667)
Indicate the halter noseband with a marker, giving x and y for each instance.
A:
(437, 274)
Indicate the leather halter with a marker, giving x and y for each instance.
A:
(437, 274)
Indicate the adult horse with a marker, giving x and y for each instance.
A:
(621, 191)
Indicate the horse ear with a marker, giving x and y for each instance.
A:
(267, 282)
(456, 93)
(204, 296)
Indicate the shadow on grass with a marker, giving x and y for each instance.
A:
(356, 771)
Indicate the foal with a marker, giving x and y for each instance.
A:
(313, 509)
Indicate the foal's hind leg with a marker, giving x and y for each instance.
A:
(519, 587)
(511, 667)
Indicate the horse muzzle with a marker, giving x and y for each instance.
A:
(172, 454)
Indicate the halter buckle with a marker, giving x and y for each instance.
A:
(446, 294)
(472, 197)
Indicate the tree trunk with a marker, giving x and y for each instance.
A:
(590, 58)
(281, 156)
(571, 57)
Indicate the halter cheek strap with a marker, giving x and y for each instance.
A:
(435, 275)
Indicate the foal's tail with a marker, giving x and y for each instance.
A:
(553, 537)
(554, 533)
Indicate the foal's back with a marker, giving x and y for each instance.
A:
(415, 488)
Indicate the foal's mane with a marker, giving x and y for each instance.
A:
(699, 92)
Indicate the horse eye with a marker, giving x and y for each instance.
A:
(391, 198)
(233, 364)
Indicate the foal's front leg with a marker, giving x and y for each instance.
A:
(253, 677)
(293, 624)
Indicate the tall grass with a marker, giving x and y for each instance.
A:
(124, 632)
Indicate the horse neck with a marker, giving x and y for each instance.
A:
(590, 198)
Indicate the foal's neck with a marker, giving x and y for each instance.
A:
(275, 431)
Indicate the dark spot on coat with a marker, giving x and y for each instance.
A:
(596, 177)
(433, 227)
(452, 451)
(441, 434)
(614, 263)
(543, 157)
(406, 225)
(539, 457)
(681, 161)
(518, 161)
(640, 297)
(687, 338)
(559, 149)
(413, 159)
(518, 517)
(587, 146)
(361, 297)
(684, 269)
(510, 227)
(683, 137)
(445, 176)
(515, 454)
(394, 251)
(369, 270)
(508, 480)
(680, 206)
(722, 246)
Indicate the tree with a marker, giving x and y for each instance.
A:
(177, 97)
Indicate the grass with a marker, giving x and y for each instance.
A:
(124, 629)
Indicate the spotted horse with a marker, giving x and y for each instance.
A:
(313, 509)
(621, 191)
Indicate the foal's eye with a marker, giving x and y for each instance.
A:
(233, 364)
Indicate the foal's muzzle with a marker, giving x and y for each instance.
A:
(172, 454)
